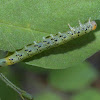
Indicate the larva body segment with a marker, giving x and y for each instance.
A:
(48, 42)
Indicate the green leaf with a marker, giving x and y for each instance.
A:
(91, 94)
(48, 96)
(72, 78)
(25, 21)
(34, 69)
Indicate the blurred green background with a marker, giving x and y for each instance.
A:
(67, 72)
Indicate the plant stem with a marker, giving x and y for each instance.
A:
(22, 93)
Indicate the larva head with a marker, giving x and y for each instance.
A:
(94, 25)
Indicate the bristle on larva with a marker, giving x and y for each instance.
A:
(49, 42)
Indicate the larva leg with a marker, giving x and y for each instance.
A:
(34, 42)
(80, 23)
(51, 35)
(59, 33)
(71, 28)
(43, 38)
(22, 93)
(89, 20)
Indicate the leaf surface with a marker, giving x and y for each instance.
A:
(25, 21)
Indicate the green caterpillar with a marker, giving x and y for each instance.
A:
(48, 42)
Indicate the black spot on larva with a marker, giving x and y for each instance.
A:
(55, 40)
(52, 38)
(25, 50)
(64, 36)
(48, 42)
(44, 41)
(30, 50)
(86, 29)
(72, 33)
(35, 45)
(20, 55)
(10, 59)
(39, 46)
(78, 31)
(78, 34)
(60, 36)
